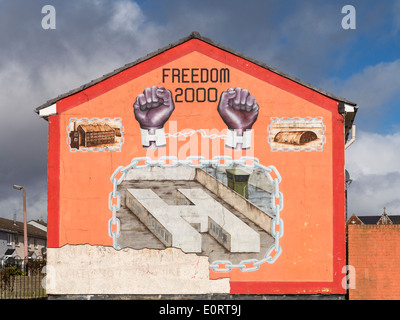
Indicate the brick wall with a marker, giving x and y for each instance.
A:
(374, 252)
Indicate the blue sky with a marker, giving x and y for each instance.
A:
(303, 38)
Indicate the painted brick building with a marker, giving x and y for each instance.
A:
(374, 254)
(196, 104)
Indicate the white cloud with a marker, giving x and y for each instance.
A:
(127, 17)
(374, 166)
(369, 194)
(373, 153)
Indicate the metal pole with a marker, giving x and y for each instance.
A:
(25, 229)
(17, 187)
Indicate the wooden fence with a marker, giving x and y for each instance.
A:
(19, 280)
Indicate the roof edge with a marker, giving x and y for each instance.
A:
(193, 35)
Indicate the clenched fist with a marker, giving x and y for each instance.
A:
(153, 107)
(238, 109)
(152, 110)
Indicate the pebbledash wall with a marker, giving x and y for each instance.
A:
(140, 198)
(373, 251)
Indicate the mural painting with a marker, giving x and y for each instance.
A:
(192, 168)
(297, 134)
(181, 205)
(95, 135)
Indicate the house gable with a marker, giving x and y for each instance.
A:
(194, 42)
(197, 80)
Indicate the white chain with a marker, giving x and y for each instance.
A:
(192, 132)
(198, 162)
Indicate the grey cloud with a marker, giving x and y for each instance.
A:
(373, 86)
(376, 90)
(369, 194)
(297, 37)
(36, 65)
(372, 162)
(396, 17)
(373, 153)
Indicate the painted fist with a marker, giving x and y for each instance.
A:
(153, 108)
(238, 109)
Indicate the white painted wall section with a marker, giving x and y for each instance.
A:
(104, 270)
(48, 111)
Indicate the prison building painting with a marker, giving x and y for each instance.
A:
(295, 137)
(92, 135)
(177, 221)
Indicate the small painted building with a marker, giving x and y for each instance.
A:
(95, 134)
(186, 115)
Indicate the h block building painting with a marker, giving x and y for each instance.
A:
(196, 170)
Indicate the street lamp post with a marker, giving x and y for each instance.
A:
(17, 187)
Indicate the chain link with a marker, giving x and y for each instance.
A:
(192, 132)
(114, 208)
(198, 162)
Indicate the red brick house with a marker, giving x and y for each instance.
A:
(373, 257)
